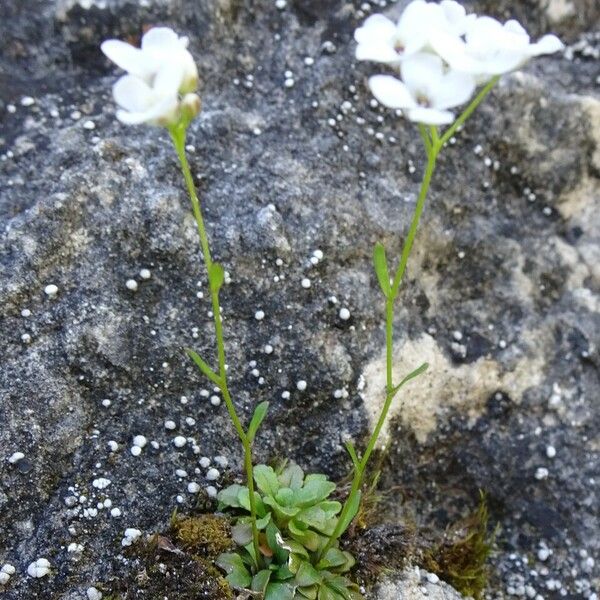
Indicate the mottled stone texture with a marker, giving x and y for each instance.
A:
(507, 256)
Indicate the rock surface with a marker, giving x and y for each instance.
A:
(415, 585)
(502, 293)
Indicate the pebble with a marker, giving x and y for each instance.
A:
(101, 483)
(259, 315)
(204, 462)
(541, 473)
(211, 491)
(344, 314)
(550, 451)
(15, 457)
(131, 284)
(140, 441)
(305, 283)
(193, 487)
(145, 273)
(301, 385)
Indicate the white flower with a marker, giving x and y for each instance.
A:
(491, 48)
(382, 40)
(426, 91)
(161, 48)
(156, 104)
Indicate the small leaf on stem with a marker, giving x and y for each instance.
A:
(381, 269)
(260, 412)
(411, 375)
(203, 366)
(216, 276)
(352, 452)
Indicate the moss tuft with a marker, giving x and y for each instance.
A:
(207, 535)
(461, 557)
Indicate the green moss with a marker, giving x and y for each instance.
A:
(461, 557)
(207, 535)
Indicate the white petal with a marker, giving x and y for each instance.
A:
(160, 38)
(378, 52)
(450, 48)
(127, 57)
(430, 116)
(132, 94)
(515, 27)
(375, 29)
(391, 92)
(162, 112)
(414, 26)
(168, 80)
(453, 90)
(455, 15)
(421, 72)
(549, 44)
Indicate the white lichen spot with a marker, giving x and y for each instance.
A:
(51, 290)
(344, 314)
(39, 568)
(131, 535)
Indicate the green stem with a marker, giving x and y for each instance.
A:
(178, 136)
(485, 90)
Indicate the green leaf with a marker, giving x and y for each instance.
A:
(315, 489)
(229, 497)
(266, 480)
(216, 276)
(333, 558)
(203, 366)
(241, 533)
(352, 510)
(410, 376)
(307, 575)
(381, 269)
(280, 591)
(272, 533)
(260, 412)
(260, 581)
(352, 452)
(285, 496)
(292, 476)
(330, 507)
(309, 592)
(316, 517)
(282, 513)
(244, 501)
(237, 574)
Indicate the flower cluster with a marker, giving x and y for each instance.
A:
(160, 82)
(442, 54)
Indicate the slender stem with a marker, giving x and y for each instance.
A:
(412, 232)
(485, 90)
(178, 137)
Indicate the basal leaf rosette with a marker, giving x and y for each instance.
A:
(295, 520)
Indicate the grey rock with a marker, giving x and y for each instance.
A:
(414, 584)
(507, 255)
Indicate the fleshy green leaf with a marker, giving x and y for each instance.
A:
(282, 513)
(260, 581)
(292, 476)
(203, 366)
(237, 574)
(307, 575)
(241, 533)
(279, 591)
(260, 412)
(381, 269)
(266, 480)
(315, 489)
(272, 533)
(216, 276)
(229, 496)
(244, 501)
(285, 496)
(310, 592)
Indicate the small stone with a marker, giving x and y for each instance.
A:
(301, 385)
(132, 285)
(131, 535)
(259, 315)
(15, 457)
(193, 487)
(212, 474)
(140, 441)
(179, 441)
(145, 273)
(344, 314)
(93, 593)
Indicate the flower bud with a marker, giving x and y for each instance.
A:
(190, 106)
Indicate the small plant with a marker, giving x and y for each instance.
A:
(296, 519)
(286, 528)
